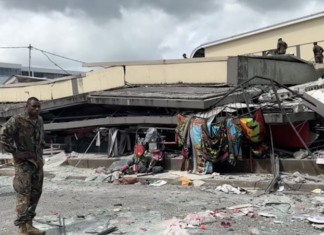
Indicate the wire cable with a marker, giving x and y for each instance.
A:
(50, 53)
(56, 64)
(13, 47)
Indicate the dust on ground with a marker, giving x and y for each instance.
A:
(141, 209)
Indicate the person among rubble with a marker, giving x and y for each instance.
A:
(23, 136)
(318, 53)
(281, 47)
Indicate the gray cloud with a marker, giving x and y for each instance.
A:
(107, 9)
(123, 30)
(274, 5)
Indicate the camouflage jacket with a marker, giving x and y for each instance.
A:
(282, 47)
(318, 50)
(22, 134)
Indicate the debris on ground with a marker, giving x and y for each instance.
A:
(125, 180)
(158, 183)
(185, 181)
(317, 191)
(198, 183)
(226, 188)
(254, 231)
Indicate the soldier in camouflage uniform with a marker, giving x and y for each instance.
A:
(23, 136)
(281, 47)
(318, 53)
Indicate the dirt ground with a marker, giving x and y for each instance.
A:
(141, 209)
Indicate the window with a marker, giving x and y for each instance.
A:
(9, 71)
(39, 75)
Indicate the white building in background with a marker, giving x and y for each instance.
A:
(7, 70)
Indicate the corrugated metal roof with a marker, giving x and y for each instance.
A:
(261, 30)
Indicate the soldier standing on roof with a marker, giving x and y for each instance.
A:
(281, 47)
(318, 53)
(23, 136)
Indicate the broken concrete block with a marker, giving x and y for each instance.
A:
(198, 183)
(91, 178)
(254, 231)
(102, 178)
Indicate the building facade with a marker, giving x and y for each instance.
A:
(7, 70)
(299, 34)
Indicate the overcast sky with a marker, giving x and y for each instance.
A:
(119, 30)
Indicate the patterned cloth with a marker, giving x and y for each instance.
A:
(234, 135)
(182, 130)
(212, 143)
(254, 128)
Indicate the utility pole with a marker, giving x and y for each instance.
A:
(30, 47)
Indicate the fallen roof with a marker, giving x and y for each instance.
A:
(166, 92)
(182, 97)
(23, 79)
(287, 58)
(261, 30)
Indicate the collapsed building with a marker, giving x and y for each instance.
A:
(106, 109)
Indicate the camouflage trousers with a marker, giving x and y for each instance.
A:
(319, 59)
(28, 184)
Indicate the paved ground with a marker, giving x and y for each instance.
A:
(147, 209)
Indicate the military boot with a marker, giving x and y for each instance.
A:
(22, 229)
(32, 230)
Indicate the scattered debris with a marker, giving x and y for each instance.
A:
(317, 191)
(108, 231)
(143, 229)
(278, 222)
(318, 226)
(125, 180)
(185, 181)
(198, 183)
(200, 218)
(268, 215)
(101, 169)
(240, 206)
(301, 154)
(158, 183)
(226, 188)
(316, 220)
(55, 161)
(254, 231)
(91, 178)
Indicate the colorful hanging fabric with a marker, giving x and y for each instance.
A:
(182, 129)
(213, 141)
(195, 135)
(234, 135)
(254, 128)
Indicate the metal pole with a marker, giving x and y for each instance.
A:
(60, 223)
(30, 47)
(246, 100)
(274, 165)
(86, 150)
(292, 125)
(64, 231)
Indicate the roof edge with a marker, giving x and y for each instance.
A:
(260, 30)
